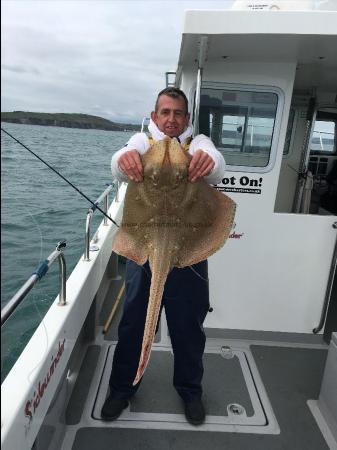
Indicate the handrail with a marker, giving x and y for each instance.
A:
(197, 103)
(40, 271)
(328, 289)
(90, 213)
(305, 153)
(201, 60)
(143, 123)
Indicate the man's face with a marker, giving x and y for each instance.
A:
(171, 116)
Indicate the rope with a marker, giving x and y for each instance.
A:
(114, 308)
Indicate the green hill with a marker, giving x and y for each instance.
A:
(66, 120)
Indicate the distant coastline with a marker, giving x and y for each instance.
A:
(83, 121)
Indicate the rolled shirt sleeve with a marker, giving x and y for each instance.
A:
(204, 143)
(139, 142)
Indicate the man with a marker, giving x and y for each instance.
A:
(186, 297)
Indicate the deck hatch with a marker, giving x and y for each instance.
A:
(231, 399)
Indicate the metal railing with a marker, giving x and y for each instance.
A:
(40, 271)
(43, 268)
(328, 292)
(90, 213)
(143, 123)
(201, 60)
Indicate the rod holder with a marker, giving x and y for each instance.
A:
(39, 273)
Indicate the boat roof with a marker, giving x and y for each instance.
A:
(304, 36)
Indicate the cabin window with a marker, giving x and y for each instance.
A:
(240, 123)
(323, 138)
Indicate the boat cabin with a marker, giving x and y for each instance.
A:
(263, 87)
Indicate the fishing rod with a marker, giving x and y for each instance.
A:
(60, 175)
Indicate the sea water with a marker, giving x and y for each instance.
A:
(39, 209)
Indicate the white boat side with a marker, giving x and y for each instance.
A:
(27, 391)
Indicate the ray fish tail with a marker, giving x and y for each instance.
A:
(160, 264)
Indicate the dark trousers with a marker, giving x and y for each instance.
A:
(186, 303)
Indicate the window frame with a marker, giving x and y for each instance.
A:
(277, 124)
(292, 131)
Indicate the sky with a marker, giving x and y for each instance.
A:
(102, 57)
(106, 58)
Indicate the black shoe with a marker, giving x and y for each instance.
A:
(113, 408)
(195, 412)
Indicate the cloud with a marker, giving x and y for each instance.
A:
(98, 57)
(19, 69)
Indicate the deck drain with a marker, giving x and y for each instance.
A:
(236, 409)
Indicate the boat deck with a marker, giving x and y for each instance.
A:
(257, 395)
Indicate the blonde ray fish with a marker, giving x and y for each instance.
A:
(169, 222)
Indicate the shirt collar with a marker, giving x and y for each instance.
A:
(158, 135)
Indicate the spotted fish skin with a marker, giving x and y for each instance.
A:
(160, 267)
(169, 222)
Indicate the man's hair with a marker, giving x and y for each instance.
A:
(172, 92)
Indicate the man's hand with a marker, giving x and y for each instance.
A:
(131, 164)
(201, 165)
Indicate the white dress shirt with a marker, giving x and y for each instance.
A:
(140, 142)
